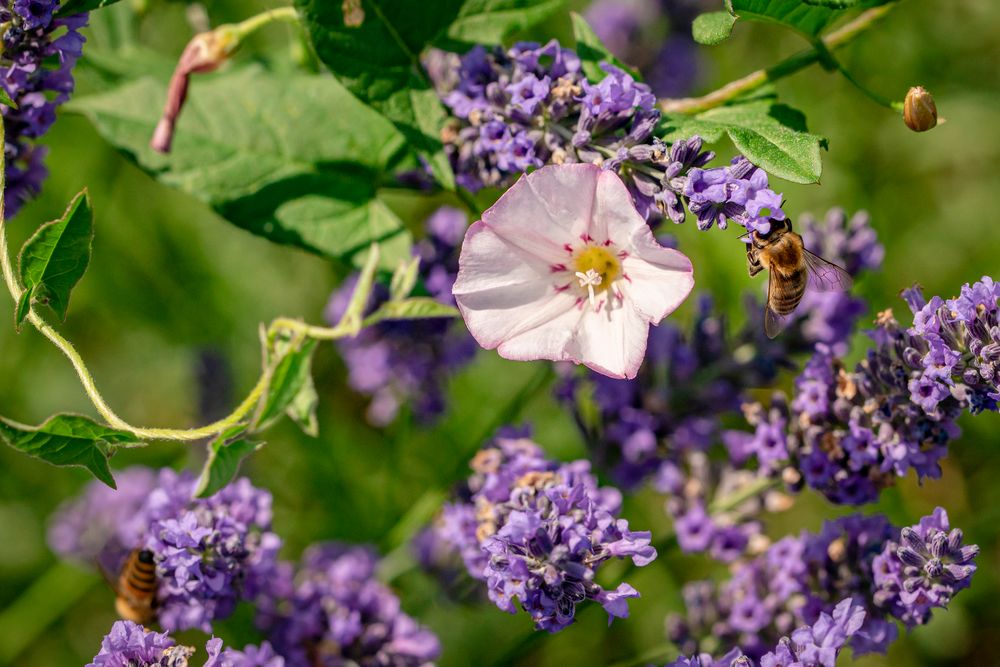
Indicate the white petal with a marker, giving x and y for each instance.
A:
(547, 209)
(504, 291)
(613, 341)
(552, 335)
(659, 279)
(615, 216)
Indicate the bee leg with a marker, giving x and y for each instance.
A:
(753, 263)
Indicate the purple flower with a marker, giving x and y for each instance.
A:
(924, 569)
(499, 97)
(408, 362)
(210, 553)
(814, 645)
(541, 529)
(337, 613)
(528, 93)
(39, 53)
(845, 584)
(958, 348)
(250, 656)
(132, 645)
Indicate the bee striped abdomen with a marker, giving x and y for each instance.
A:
(137, 587)
(786, 298)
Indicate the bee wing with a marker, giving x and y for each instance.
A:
(773, 322)
(110, 562)
(826, 276)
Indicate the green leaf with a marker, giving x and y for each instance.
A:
(494, 21)
(73, 7)
(225, 454)
(288, 378)
(302, 409)
(713, 27)
(808, 19)
(772, 136)
(379, 61)
(592, 52)
(293, 158)
(404, 279)
(68, 440)
(5, 99)
(56, 256)
(411, 309)
(836, 4)
(22, 309)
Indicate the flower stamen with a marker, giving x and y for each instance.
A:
(590, 280)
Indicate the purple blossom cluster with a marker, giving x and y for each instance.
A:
(36, 71)
(531, 105)
(536, 531)
(662, 425)
(409, 361)
(885, 574)
(960, 355)
(814, 645)
(334, 612)
(210, 553)
(923, 570)
(853, 433)
(133, 645)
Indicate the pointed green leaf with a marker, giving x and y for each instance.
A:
(6, 100)
(73, 7)
(807, 19)
(56, 256)
(411, 309)
(68, 440)
(302, 409)
(494, 21)
(293, 158)
(836, 4)
(379, 62)
(288, 377)
(772, 136)
(22, 309)
(712, 27)
(592, 52)
(404, 279)
(225, 454)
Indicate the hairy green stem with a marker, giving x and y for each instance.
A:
(350, 324)
(246, 27)
(755, 488)
(754, 80)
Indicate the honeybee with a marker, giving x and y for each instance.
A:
(135, 586)
(791, 267)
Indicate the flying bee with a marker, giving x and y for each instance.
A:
(135, 586)
(791, 267)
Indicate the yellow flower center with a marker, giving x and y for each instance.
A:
(602, 262)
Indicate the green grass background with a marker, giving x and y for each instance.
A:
(170, 279)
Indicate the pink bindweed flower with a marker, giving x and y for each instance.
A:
(563, 267)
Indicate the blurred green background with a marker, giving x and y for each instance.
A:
(171, 283)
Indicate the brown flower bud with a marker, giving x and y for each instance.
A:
(919, 110)
(204, 53)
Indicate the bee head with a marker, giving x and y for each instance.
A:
(145, 556)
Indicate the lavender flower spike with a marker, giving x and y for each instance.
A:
(815, 645)
(132, 645)
(532, 105)
(925, 569)
(36, 70)
(541, 530)
(336, 613)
